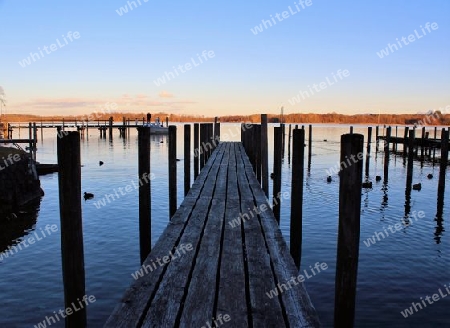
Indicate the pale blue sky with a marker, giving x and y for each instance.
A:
(118, 57)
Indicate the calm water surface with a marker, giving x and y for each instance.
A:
(393, 273)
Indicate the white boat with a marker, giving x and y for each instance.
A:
(157, 127)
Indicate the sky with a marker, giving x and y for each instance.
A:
(217, 58)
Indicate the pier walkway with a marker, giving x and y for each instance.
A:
(207, 270)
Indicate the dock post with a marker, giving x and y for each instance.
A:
(377, 133)
(278, 139)
(298, 153)
(63, 125)
(386, 154)
(42, 133)
(442, 169)
(110, 127)
(394, 144)
(405, 140)
(434, 145)
(422, 144)
(264, 155)
(202, 149)
(369, 140)
(309, 147)
(34, 140)
(72, 252)
(289, 144)
(167, 121)
(349, 231)
(351, 129)
(187, 158)
(145, 215)
(30, 143)
(216, 130)
(172, 170)
(409, 170)
(196, 149)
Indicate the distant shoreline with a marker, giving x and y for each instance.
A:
(331, 118)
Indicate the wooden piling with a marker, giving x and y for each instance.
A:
(405, 140)
(422, 144)
(298, 153)
(264, 155)
(409, 169)
(443, 167)
(72, 252)
(278, 139)
(172, 170)
(386, 155)
(258, 153)
(145, 217)
(196, 149)
(377, 133)
(351, 129)
(309, 145)
(349, 231)
(187, 158)
(202, 149)
(369, 140)
(110, 127)
(289, 144)
(167, 121)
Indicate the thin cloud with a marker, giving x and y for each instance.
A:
(165, 94)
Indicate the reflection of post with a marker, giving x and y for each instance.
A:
(72, 252)
(442, 169)
(145, 218)
(349, 231)
(298, 152)
(278, 139)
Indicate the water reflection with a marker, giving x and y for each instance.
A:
(16, 225)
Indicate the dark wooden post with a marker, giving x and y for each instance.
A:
(349, 231)
(145, 216)
(34, 140)
(72, 252)
(409, 170)
(167, 121)
(196, 149)
(351, 129)
(443, 167)
(264, 155)
(42, 133)
(187, 158)
(172, 170)
(386, 154)
(377, 133)
(422, 141)
(405, 140)
(298, 153)
(278, 139)
(30, 138)
(309, 146)
(202, 149)
(110, 127)
(289, 144)
(434, 145)
(369, 140)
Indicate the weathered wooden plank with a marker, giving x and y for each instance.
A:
(232, 297)
(298, 307)
(265, 311)
(196, 314)
(168, 301)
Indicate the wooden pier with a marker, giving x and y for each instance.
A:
(207, 270)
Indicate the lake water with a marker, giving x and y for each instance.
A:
(393, 273)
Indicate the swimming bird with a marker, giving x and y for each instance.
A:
(367, 184)
(329, 179)
(325, 140)
(100, 163)
(161, 141)
(417, 186)
(430, 176)
(88, 195)
(378, 178)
